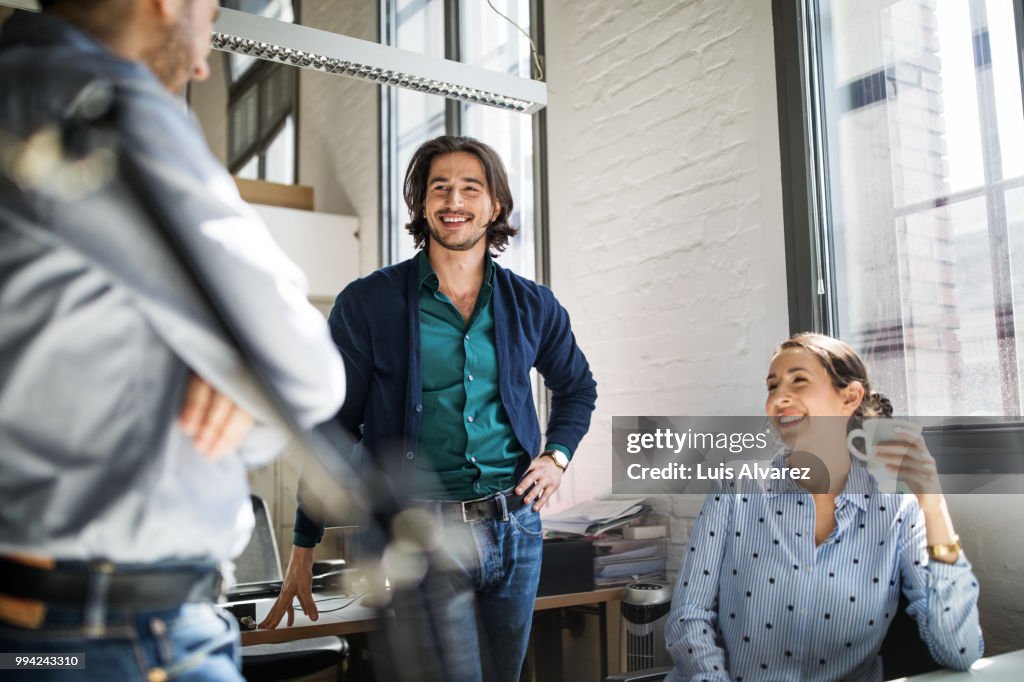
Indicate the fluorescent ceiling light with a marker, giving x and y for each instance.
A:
(311, 48)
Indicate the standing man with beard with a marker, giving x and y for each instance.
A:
(438, 352)
(127, 415)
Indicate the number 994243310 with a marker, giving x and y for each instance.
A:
(71, 661)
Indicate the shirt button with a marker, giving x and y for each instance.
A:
(419, 408)
(410, 455)
(803, 612)
(472, 459)
(470, 377)
(467, 337)
(469, 419)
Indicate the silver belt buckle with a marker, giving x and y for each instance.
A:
(462, 505)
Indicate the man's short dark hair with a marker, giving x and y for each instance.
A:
(499, 231)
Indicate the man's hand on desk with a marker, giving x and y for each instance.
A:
(216, 425)
(298, 582)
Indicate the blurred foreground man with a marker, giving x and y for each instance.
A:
(127, 417)
(438, 352)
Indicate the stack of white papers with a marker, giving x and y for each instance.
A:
(588, 518)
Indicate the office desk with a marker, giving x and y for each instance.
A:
(1007, 667)
(356, 619)
(560, 601)
(544, 657)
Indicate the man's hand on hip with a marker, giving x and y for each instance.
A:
(298, 582)
(544, 476)
(216, 425)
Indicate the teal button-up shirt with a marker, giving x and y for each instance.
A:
(466, 448)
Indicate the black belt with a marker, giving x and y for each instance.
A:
(496, 506)
(149, 589)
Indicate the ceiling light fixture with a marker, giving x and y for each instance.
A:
(311, 48)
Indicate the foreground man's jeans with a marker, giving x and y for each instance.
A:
(195, 643)
(471, 621)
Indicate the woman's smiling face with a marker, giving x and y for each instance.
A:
(800, 387)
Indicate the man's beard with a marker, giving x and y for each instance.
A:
(170, 59)
(464, 245)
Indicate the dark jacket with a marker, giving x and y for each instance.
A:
(376, 326)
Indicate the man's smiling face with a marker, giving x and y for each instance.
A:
(458, 205)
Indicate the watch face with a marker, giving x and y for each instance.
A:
(560, 459)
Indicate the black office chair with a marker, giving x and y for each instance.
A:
(288, 660)
(259, 565)
(903, 652)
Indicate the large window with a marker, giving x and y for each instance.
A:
(902, 125)
(262, 106)
(474, 33)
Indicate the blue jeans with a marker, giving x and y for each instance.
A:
(469, 620)
(194, 643)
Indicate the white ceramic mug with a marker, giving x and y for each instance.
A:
(876, 431)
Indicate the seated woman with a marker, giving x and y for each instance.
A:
(786, 582)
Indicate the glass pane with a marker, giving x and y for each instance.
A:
(511, 135)
(420, 26)
(419, 118)
(962, 129)
(947, 304)
(251, 169)
(491, 41)
(1015, 221)
(923, 123)
(244, 125)
(1006, 82)
(281, 10)
(280, 155)
(272, 9)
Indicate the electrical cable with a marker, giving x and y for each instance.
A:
(533, 46)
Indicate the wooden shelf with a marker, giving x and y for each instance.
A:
(275, 194)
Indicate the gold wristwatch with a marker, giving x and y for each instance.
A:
(561, 461)
(937, 551)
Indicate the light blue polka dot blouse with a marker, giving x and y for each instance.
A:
(756, 599)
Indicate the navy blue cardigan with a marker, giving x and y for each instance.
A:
(376, 326)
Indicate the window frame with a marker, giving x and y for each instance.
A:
(807, 225)
(388, 134)
(254, 77)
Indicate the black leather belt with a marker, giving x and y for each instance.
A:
(496, 506)
(120, 588)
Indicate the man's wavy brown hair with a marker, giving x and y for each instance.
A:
(416, 178)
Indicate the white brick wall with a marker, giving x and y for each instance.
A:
(666, 215)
